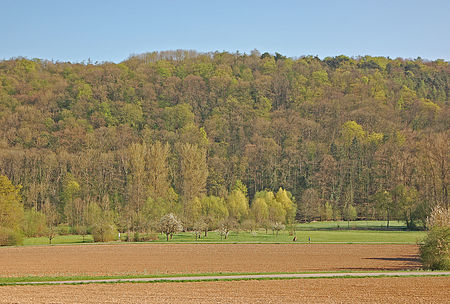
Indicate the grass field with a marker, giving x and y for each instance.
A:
(363, 225)
(342, 236)
(324, 232)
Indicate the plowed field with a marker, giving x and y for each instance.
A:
(202, 258)
(362, 290)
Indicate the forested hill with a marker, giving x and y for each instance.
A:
(340, 134)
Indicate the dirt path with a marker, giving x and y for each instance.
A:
(138, 259)
(249, 277)
(352, 290)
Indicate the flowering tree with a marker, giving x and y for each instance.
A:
(169, 224)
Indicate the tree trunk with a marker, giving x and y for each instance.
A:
(388, 218)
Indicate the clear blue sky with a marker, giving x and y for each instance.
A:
(112, 30)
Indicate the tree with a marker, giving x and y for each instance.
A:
(328, 211)
(198, 228)
(226, 226)
(35, 223)
(213, 211)
(350, 214)
(51, 215)
(158, 170)
(169, 224)
(284, 198)
(276, 210)
(259, 210)
(138, 180)
(335, 130)
(194, 172)
(70, 191)
(237, 205)
(309, 207)
(11, 209)
(406, 202)
(249, 225)
(11, 212)
(383, 200)
(75, 212)
(239, 185)
(277, 226)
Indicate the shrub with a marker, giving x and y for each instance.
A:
(139, 237)
(104, 232)
(249, 225)
(34, 224)
(81, 230)
(434, 251)
(63, 229)
(10, 237)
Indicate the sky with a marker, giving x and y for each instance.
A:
(112, 30)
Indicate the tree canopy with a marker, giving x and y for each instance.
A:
(172, 131)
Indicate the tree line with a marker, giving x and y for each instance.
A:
(185, 133)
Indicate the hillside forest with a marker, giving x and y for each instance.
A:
(253, 139)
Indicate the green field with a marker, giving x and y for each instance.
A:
(323, 232)
(363, 225)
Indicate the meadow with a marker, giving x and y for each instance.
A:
(314, 232)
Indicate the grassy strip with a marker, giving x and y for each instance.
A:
(233, 279)
(6, 280)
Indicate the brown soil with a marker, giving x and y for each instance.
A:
(203, 258)
(360, 290)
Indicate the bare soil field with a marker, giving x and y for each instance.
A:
(136, 259)
(358, 290)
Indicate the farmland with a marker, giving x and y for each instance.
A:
(121, 260)
(367, 290)
(144, 259)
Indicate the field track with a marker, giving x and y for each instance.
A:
(238, 277)
(354, 290)
(136, 259)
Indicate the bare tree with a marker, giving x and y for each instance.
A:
(51, 214)
(277, 226)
